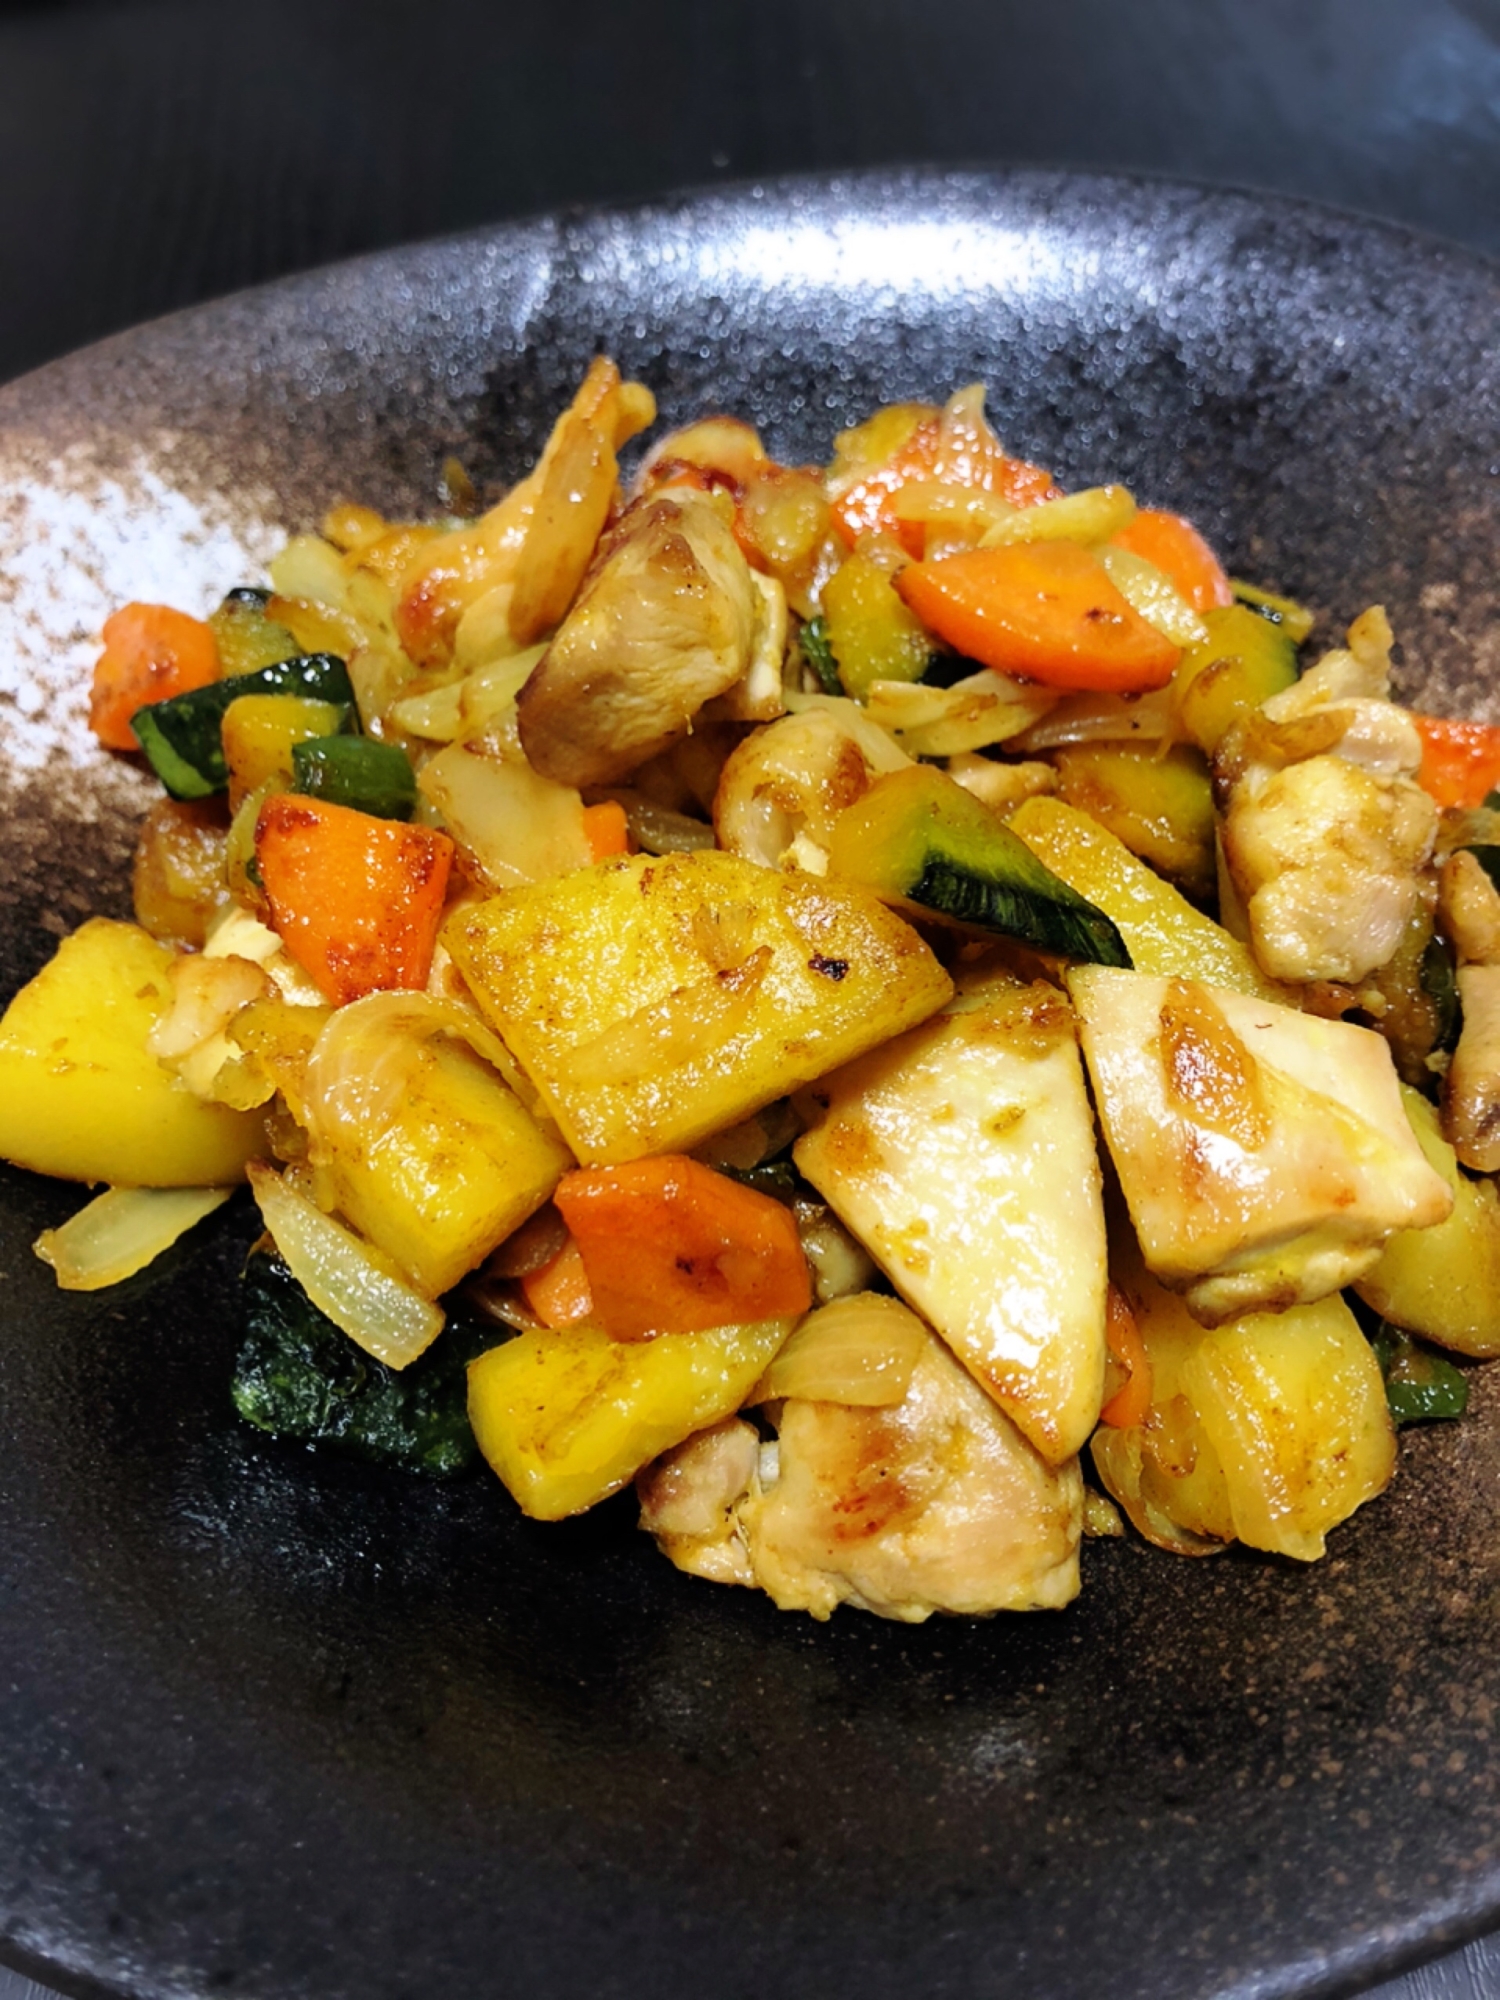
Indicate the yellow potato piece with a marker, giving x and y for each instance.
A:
(1269, 1431)
(450, 1173)
(1163, 932)
(654, 1001)
(1443, 1282)
(566, 1417)
(82, 1097)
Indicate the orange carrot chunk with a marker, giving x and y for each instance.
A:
(1181, 554)
(1131, 1402)
(670, 1246)
(558, 1293)
(150, 654)
(1044, 610)
(606, 830)
(1460, 760)
(356, 900)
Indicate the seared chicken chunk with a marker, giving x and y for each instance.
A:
(690, 1499)
(1326, 836)
(665, 620)
(783, 788)
(935, 1504)
(1264, 1154)
(1471, 1090)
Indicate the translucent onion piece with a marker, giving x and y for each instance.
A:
(982, 709)
(309, 567)
(345, 1277)
(1147, 590)
(1099, 718)
(437, 716)
(121, 1231)
(859, 1350)
(358, 1070)
(1090, 516)
(513, 825)
(967, 510)
(658, 829)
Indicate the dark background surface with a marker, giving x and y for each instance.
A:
(156, 152)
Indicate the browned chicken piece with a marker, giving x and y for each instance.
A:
(1469, 905)
(1471, 1090)
(665, 620)
(935, 1504)
(689, 1498)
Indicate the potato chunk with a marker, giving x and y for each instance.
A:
(937, 1504)
(1162, 930)
(417, 1139)
(655, 1001)
(567, 1416)
(1269, 1432)
(1443, 1282)
(82, 1096)
(962, 1156)
(1264, 1154)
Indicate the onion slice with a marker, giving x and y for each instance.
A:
(859, 1350)
(345, 1277)
(121, 1231)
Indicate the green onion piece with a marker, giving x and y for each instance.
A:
(1420, 1385)
(182, 737)
(357, 771)
(819, 655)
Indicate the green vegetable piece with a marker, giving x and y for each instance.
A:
(818, 654)
(1242, 662)
(1294, 619)
(181, 737)
(1439, 985)
(299, 1376)
(357, 771)
(1420, 1385)
(923, 843)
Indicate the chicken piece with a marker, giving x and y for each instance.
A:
(1326, 836)
(784, 786)
(760, 695)
(1326, 859)
(1471, 1090)
(689, 1499)
(1264, 1154)
(450, 575)
(1469, 904)
(962, 1156)
(665, 620)
(935, 1504)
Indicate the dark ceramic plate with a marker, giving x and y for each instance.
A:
(278, 1725)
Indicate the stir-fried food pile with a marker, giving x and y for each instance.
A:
(885, 1004)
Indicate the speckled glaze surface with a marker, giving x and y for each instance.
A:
(282, 1726)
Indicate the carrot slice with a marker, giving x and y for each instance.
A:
(1181, 554)
(1044, 610)
(558, 1293)
(1131, 1403)
(151, 653)
(670, 1246)
(1460, 760)
(356, 900)
(606, 830)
